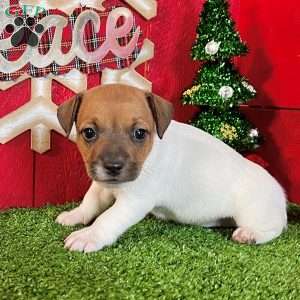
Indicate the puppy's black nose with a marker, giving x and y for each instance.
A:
(113, 168)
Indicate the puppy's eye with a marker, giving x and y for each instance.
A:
(139, 134)
(89, 134)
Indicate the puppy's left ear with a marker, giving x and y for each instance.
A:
(162, 111)
(67, 113)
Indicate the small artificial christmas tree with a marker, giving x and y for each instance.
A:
(219, 88)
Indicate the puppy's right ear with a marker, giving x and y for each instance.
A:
(68, 111)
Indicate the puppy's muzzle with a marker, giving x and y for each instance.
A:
(113, 167)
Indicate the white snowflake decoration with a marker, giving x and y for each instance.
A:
(39, 113)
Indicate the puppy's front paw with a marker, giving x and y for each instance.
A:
(85, 240)
(244, 235)
(70, 218)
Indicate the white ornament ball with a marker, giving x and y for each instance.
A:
(249, 87)
(253, 133)
(226, 92)
(212, 47)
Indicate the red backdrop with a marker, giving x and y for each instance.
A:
(271, 30)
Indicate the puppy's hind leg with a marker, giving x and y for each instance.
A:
(95, 201)
(263, 219)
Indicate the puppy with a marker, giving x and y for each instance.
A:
(140, 162)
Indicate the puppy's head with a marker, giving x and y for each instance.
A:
(116, 125)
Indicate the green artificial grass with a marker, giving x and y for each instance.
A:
(154, 260)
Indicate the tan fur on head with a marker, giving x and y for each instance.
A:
(116, 115)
